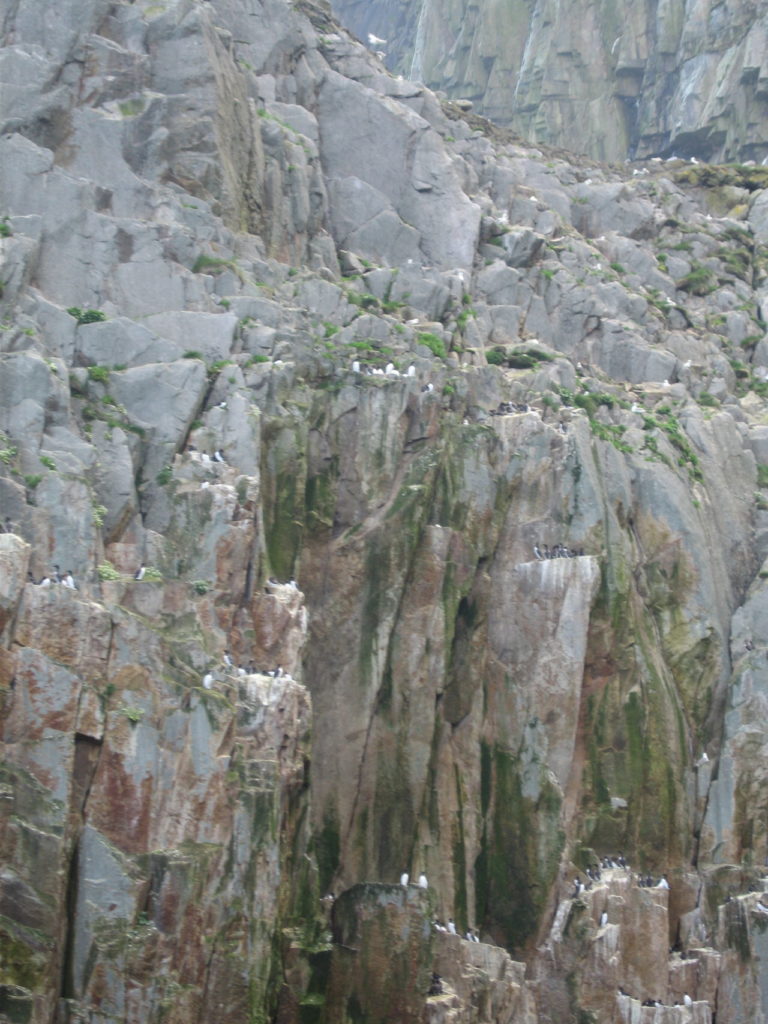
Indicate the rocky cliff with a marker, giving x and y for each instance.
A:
(412, 486)
(610, 79)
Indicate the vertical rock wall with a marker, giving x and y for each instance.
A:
(270, 312)
(608, 79)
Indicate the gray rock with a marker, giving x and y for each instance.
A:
(14, 559)
(114, 479)
(122, 341)
(163, 399)
(521, 247)
(428, 198)
(364, 221)
(758, 216)
(298, 118)
(210, 334)
(424, 293)
(31, 397)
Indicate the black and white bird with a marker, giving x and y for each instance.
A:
(451, 926)
(69, 580)
(423, 883)
(404, 878)
(218, 457)
(208, 680)
(228, 659)
(139, 574)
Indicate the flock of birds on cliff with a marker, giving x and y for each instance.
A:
(67, 580)
(241, 670)
(594, 875)
(556, 551)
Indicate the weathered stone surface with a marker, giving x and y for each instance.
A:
(526, 352)
(485, 981)
(211, 335)
(121, 342)
(14, 559)
(381, 962)
(398, 156)
(585, 77)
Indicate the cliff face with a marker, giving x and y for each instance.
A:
(270, 312)
(608, 79)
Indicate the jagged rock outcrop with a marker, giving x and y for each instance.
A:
(612, 81)
(270, 312)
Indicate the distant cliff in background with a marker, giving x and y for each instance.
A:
(612, 79)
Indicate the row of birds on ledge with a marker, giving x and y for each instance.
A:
(557, 551)
(245, 670)
(594, 874)
(66, 579)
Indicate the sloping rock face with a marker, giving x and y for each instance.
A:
(412, 483)
(612, 80)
